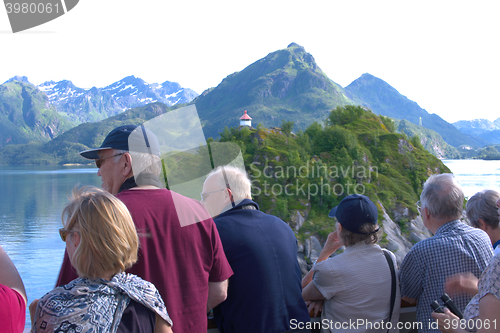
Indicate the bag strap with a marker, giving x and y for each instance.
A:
(393, 276)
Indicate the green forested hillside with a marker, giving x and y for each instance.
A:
(430, 140)
(64, 149)
(356, 152)
(383, 99)
(26, 115)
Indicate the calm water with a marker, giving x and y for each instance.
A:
(30, 216)
(33, 197)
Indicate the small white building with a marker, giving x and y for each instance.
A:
(245, 120)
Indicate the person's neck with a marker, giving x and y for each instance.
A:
(144, 187)
(438, 223)
(495, 235)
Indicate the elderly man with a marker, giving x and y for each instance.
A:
(264, 293)
(454, 248)
(186, 262)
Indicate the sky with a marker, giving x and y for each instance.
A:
(444, 55)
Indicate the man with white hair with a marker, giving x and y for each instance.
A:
(185, 261)
(454, 248)
(264, 294)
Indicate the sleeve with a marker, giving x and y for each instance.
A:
(67, 272)
(325, 280)
(221, 270)
(411, 275)
(490, 280)
(12, 310)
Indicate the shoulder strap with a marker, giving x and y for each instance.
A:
(393, 276)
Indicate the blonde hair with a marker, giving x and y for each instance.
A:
(108, 238)
(369, 236)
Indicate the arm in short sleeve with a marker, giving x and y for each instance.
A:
(221, 270)
(411, 275)
(9, 276)
(324, 280)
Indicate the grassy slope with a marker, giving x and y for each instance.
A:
(386, 167)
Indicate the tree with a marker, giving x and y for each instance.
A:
(287, 127)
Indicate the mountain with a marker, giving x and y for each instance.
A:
(89, 105)
(483, 128)
(64, 149)
(383, 99)
(286, 85)
(26, 114)
(429, 139)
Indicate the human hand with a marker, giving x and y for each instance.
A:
(333, 243)
(32, 308)
(314, 308)
(444, 320)
(461, 284)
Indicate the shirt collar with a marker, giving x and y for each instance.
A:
(448, 226)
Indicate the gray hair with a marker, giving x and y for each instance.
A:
(238, 180)
(143, 162)
(482, 205)
(443, 196)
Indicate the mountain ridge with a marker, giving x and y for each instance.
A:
(384, 99)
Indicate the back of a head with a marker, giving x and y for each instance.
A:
(108, 238)
(443, 197)
(482, 205)
(238, 181)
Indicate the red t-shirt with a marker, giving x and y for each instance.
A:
(12, 310)
(178, 256)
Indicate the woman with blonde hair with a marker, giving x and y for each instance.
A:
(102, 243)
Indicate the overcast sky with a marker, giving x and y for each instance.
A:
(444, 55)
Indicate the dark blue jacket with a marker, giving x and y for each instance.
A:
(265, 291)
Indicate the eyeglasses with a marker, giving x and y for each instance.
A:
(64, 233)
(419, 205)
(205, 195)
(100, 161)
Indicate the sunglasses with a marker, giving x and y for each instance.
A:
(64, 233)
(100, 161)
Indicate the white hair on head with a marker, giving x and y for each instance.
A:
(443, 196)
(141, 162)
(238, 180)
(482, 205)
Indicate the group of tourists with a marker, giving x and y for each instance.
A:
(141, 258)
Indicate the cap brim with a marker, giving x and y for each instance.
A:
(333, 212)
(91, 154)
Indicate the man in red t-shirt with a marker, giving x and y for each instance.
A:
(180, 250)
(12, 296)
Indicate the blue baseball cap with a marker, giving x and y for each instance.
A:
(128, 137)
(354, 211)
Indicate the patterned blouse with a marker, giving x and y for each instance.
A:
(86, 305)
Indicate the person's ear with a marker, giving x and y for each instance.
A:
(425, 211)
(127, 165)
(481, 224)
(75, 238)
(230, 193)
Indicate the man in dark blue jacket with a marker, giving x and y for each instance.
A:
(265, 293)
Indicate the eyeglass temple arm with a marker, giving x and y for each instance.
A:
(227, 186)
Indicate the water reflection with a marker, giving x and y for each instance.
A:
(30, 216)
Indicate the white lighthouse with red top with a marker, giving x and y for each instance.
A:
(245, 120)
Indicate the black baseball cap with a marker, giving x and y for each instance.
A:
(354, 211)
(127, 137)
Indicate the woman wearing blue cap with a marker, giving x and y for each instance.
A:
(358, 287)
